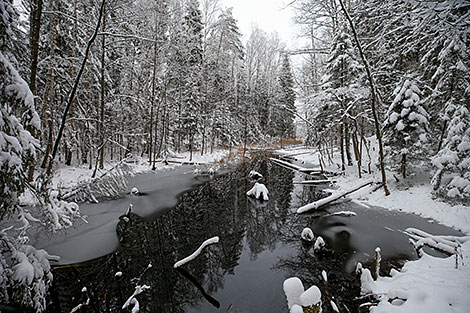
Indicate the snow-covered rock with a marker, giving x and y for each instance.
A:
(307, 234)
(211, 171)
(293, 288)
(259, 191)
(135, 191)
(296, 309)
(311, 297)
(319, 243)
(255, 175)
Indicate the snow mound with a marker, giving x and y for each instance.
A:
(259, 191)
(293, 288)
(307, 234)
(311, 297)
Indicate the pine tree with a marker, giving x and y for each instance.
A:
(286, 110)
(452, 178)
(406, 125)
(192, 63)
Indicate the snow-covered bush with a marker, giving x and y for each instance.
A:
(452, 177)
(406, 126)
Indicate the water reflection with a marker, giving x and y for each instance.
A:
(259, 247)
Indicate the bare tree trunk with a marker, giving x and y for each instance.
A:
(341, 146)
(403, 165)
(101, 124)
(347, 143)
(35, 21)
(373, 97)
(75, 87)
(48, 98)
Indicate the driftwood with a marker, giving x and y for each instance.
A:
(335, 196)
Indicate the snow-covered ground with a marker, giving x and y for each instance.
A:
(66, 176)
(429, 284)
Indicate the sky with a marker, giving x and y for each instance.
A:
(269, 15)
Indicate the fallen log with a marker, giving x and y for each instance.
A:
(335, 196)
(186, 162)
(295, 166)
(445, 244)
(315, 182)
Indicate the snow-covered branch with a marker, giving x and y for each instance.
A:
(197, 252)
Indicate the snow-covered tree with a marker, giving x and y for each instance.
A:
(406, 126)
(192, 96)
(286, 109)
(17, 114)
(452, 178)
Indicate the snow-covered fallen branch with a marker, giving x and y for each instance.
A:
(314, 182)
(333, 197)
(197, 252)
(109, 184)
(445, 244)
(342, 213)
(132, 299)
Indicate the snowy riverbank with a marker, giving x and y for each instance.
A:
(429, 284)
(67, 176)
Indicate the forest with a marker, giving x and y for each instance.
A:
(85, 83)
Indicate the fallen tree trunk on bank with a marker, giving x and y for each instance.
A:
(335, 196)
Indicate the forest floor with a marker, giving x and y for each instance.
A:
(429, 284)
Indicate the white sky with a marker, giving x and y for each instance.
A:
(270, 15)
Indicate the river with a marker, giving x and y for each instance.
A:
(259, 245)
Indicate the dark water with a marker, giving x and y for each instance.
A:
(259, 248)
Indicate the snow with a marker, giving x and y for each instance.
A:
(132, 299)
(307, 234)
(23, 270)
(334, 306)
(342, 213)
(312, 296)
(429, 284)
(255, 175)
(319, 243)
(197, 252)
(334, 196)
(259, 191)
(324, 275)
(293, 288)
(134, 191)
(296, 309)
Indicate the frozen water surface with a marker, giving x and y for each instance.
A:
(158, 192)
